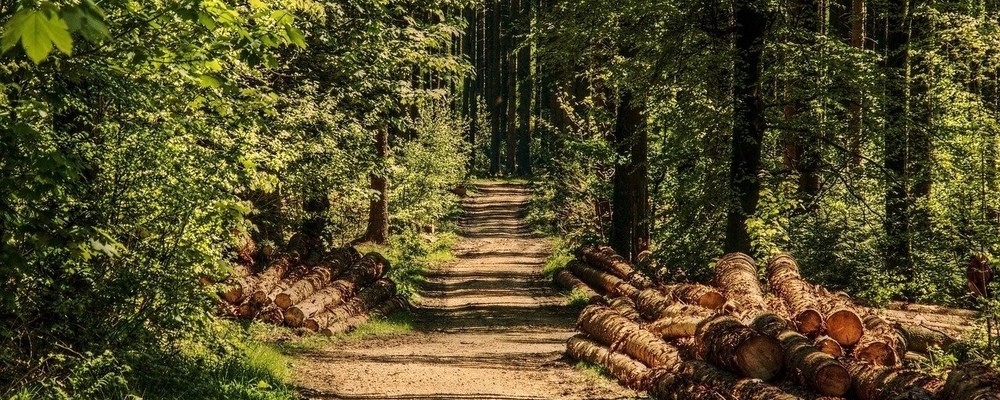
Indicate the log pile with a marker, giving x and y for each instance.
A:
(734, 340)
(337, 292)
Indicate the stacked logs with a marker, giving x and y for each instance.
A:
(339, 291)
(732, 340)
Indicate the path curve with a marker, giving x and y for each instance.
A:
(489, 326)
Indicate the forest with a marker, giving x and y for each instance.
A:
(152, 151)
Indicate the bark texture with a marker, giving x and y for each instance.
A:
(803, 305)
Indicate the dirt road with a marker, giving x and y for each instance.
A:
(489, 326)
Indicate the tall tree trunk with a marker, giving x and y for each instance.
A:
(748, 122)
(855, 124)
(493, 83)
(803, 153)
(510, 80)
(378, 211)
(630, 205)
(920, 159)
(525, 92)
(898, 257)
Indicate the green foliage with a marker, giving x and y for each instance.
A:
(562, 254)
(142, 143)
(398, 323)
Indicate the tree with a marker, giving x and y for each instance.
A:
(748, 121)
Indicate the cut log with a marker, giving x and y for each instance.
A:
(331, 296)
(610, 328)
(606, 259)
(268, 283)
(605, 282)
(911, 359)
(932, 309)
(240, 290)
(350, 324)
(667, 386)
(568, 281)
(653, 305)
(726, 342)
(301, 289)
(920, 339)
(829, 346)
(873, 382)
(843, 322)
(803, 305)
(732, 386)
(736, 277)
(367, 299)
(805, 362)
(700, 295)
(625, 307)
(670, 328)
(973, 381)
(368, 269)
(625, 369)
(882, 344)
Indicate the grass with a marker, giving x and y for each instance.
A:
(592, 370)
(561, 255)
(577, 299)
(398, 323)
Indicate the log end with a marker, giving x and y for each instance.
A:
(760, 357)
(259, 298)
(294, 317)
(809, 322)
(845, 326)
(311, 325)
(233, 294)
(283, 301)
(877, 353)
(712, 300)
(829, 346)
(833, 380)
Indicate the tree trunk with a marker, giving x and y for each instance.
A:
(732, 386)
(748, 122)
(654, 306)
(728, 343)
(605, 282)
(383, 310)
(882, 344)
(829, 346)
(606, 259)
(568, 281)
(625, 369)
(872, 382)
(736, 277)
(920, 339)
(367, 299)
(855, 124)
(803, 306)
(630, 211)
(700, 295)
(378, 211)
(610, 328)
(805, 362)
(972, 381)
(315, 280)
(525, 93)
(494, 83)
(898, 257)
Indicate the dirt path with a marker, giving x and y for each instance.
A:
(489, 326)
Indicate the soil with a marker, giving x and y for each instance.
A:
(488, 326)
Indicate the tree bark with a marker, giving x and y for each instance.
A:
(494, 83)
(367, 299)
(736, 277)
(625, 369)
(972, 381)
(872, 382)
(803, 305)
(568, 281)
(607, 283)
(748, 122)
(897, 256)
(700, 295)
(881, 344)
(378, 210)
(610, 328)
(805, 362)
(728, 343)
(525, 91)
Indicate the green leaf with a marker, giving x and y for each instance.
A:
(35, 37)
(12, 29)
(296, 36)
(59, 33)
(206, 20)
(209, 81)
